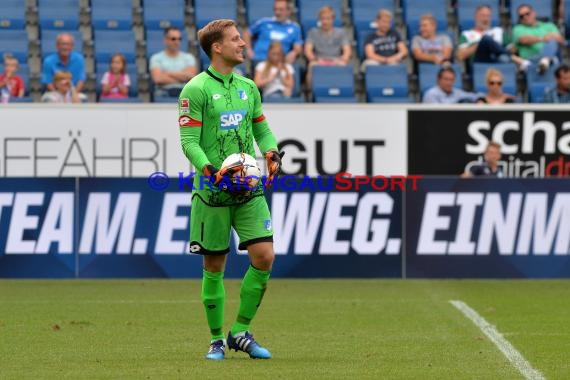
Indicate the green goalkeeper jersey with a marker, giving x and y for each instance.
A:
(219, 115)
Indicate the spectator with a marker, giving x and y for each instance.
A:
(490, 165)
(560, 93)
(65, 59)
(385, 45)
(535, 40)
(430, 47)
(171, 68)
(326, 45)
(116, 81)
(277, 28)
(275, 77)
(495, 94)
(63, 90)
(487, 44)
(444, 92)
(11, 84)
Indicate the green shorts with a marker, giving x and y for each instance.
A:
(210, 226)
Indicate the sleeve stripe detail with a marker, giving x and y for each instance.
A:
(259, 118)
(186, 121)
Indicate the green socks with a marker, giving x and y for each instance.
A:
(213, 298)
(251, 293)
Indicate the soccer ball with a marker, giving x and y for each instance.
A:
(250, 168)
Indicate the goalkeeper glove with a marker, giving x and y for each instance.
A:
(217, 176)
(273, 159)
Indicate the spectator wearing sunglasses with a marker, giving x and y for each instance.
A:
(536, 40)
(171, 68)
(495, 94)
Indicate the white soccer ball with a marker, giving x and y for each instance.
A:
(251, 170)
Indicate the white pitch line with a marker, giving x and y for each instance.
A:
(515, 357)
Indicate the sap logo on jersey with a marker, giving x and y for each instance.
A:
(231, 119)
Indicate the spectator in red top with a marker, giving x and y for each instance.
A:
(10, 82)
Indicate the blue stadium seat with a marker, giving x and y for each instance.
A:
(109, 42)
(414, 9)
(15, 43)
(364, 13)
(466, 13)
(160, 14)
(309, 13)
(111, 14)
(427, 76)
(387, 84)
(537, 84)
(23, 71)
(508, 70)
(59, 14)
(101, 68)
(333, 84)
(543, 8)
(208, 10)
(257, 9)
(155, 42)
(12, 14)
(48, 39)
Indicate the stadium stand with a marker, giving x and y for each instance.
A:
(160, 14)
(257, 9)
(543, 9)
(12, 14)
(309, 13)
(59, 14)
(111, 14)
(387, 84)
(109, 42)
(414, 9)
(333, 84)
(466, 12)
(537, 84)
(48, 39)
(208, 10)
(364, 12)
(15, 43)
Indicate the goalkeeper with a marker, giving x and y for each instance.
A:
(220, 113)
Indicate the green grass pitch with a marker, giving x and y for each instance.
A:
(316, 329)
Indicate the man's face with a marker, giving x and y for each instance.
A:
(173, 40)
(384, 24)
(232, 46)
(64, 45)
(446, 81)
(483, 18)
(492, 155)
(327, 20)
(281, 11)
(527, 16)
(427, 28)
(564, 80)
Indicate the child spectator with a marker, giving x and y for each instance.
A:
(274, 76)
(116, 81)
(11, 84)
(64, 91)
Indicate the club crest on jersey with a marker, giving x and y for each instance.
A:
(216, 96)
(184, 105)
(242, 94)
(231, 119)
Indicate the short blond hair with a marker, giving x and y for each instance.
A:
(327, 9)
(493, 72)
(213, 32)
(10, 58)
(60, 75)
(384, 13)
(428, 17)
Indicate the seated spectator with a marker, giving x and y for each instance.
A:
(560, 93)
(275, 77)
(277, 28)
(385, 46)
(495, 94)
(65, 59)
(11, 84)
(444, 92)
(116, 81)
(430, 47)
(171, 68)
(490, 166)
(535, 40)
(326, 45)
(63, 90)
(487, 44)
